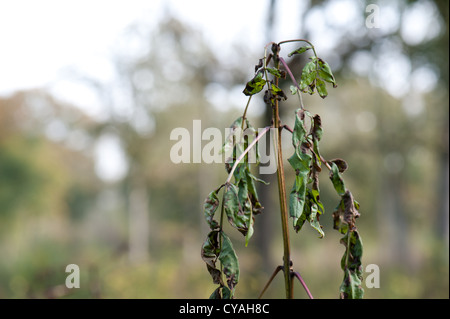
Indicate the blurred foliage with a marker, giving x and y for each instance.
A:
(55, 210)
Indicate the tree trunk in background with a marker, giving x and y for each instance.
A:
(264, 223)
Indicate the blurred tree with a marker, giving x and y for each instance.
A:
(162, 77)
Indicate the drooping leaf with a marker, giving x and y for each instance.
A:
(209, 207)
(233, 145)
(277, 92)
(300, 50)
(259, 65)
(277, 73)
(316, 134)
(237, 208)
(325, 72)
(350, 210)
(300, 162)
(229, 261)
(255, 85)
(222, 292)
(351, 265)
(341, 164)
(338, 218)
(299, 132)
(308, 76)
(336, 179)
(310, 213)
(321, 88)
(210, 252)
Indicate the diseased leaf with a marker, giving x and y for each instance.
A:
(255, 85)
(233, 145)
(310, 213)
(321, 88)
(300, 50)
(209, 252)
(233, 208)
(336, 179)
(229, 261)
(259, 65)
(276, 72)
(351, 265)
(325, 72)
(308, 76)
(300, 162)
(277, 92)
(341, 164)
(210, 206)
(350, 210)
(222, 292)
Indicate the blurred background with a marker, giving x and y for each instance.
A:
(90, 92)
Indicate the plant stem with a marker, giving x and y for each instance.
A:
(283, 203)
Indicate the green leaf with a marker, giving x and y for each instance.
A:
(310, 213)
(336, 179)
(300, 50)
(338, 218)
(321, 88)
(229, 261)
(233, 208)
(299, 132)
(325, 72)
(237, 207)
(308, 76)
(221, 293)
(209, 252)
(276, 91)
(276, 72)
(210, 206)
(255, 85)
(300, 162)
(351, 265)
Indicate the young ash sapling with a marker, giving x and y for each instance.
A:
(240, 203)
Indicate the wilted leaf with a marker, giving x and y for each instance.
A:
(341, 164)
(308, 76)
(210, 206)
(351, 265)
(321, 88)
(255, 85)
(277, 92)
(276, 72)
(229, 261)
(350, 211)
(325, 72)
(300, 50)
(209, 252)
(337, 180)
(259, 65)
(238, 215)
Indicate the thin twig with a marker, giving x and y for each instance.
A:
(296, 274)
(293, 80)
(277, 270)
